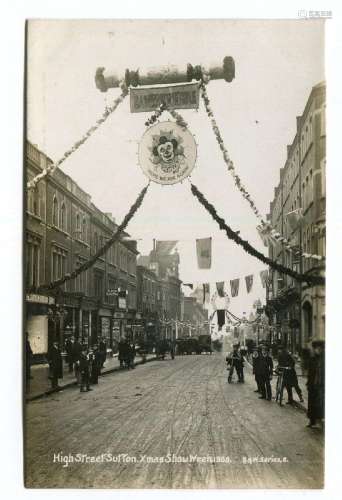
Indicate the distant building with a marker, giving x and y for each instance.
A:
(195, 318)
(297, 211)
(63, 230)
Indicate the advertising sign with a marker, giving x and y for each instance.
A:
(167, 153)
(184, 96)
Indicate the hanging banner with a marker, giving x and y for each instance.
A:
(220, 288)
(184, 96)
(167, 153)
(234, 286)
(221, 317)
(203, 248)
(249, 282)
(264, 277)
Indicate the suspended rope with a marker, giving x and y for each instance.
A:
(116, 236)
(51, 168)
(232, 235)
(265, 227)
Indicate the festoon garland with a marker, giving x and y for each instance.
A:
(160, 110)
(266, 227)
(116, 236)
(108, 111)
(232, 235)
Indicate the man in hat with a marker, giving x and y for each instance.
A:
(266, 372)
(103, 351)
(235, 360)
(69, 349)
(96, 364)
(56, 365)
(285, 360)
(316, 383)
(84, 363)
(256, 367)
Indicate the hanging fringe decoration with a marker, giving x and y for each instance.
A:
(116, 236)
(232, 235)
(51, 168)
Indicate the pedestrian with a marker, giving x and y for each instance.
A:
(96, 364)
(316, 383)
(69, 349)
(103, 351)
(256, 368)
(56, 365)
(28, 358)
(266, 372)
(235, 360)
(285, 360)
(123, 348)
(132, 354)
(76, 354)
(84, 367)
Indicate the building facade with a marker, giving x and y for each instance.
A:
(196, 320)
(297, 212)
(63, 230)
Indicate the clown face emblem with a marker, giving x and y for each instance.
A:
(166, 150)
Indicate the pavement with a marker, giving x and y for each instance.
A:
(40, 384)
(170, 424)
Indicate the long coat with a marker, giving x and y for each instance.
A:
(286, 360)
(56, 363)
(265, 366)
(316, 387)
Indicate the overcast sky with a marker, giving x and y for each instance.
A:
(277, 64)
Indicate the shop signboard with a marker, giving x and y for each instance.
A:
(180, 96)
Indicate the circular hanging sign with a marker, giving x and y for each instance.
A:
(167, 153)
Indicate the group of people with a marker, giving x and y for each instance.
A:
(84, 362)
(263, 370)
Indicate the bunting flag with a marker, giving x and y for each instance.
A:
(249, 282)
(220, 288)
(165, 247)
(234, 286)
(264, 277)
(206, 292)
(203, 247)
(221, 316)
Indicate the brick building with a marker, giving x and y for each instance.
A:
(297, 211)
(63, 230)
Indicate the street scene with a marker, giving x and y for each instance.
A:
(174, 254)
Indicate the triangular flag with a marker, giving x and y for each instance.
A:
(220, 288)
(203, 248)
(234, 286)
(249, 282)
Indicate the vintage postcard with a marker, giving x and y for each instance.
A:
(174, 253)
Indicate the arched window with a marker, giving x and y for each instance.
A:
(55, 212)
(63, 217)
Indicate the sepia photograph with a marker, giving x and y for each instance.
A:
(174, 253)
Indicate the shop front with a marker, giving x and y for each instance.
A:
(37, 325)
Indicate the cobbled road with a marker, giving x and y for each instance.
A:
(170, 424)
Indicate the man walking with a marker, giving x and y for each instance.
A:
(266, 372)
(96, 364)
(256, 368)
(69, 349)
(235, 360)
(285, 360)
(103, 351)
(56, 365)
(84, 363)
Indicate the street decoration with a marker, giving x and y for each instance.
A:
(220, 288)
(203, 250)
(234, 287)
(184, 96)
(264, 277)
(234, 236)
(49, 170)
(249, 282)
(167, 153)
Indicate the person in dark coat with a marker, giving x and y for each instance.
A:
(96, 363)
(103, 351)
(266, 371)
(76, 354)
(316, 383)
(236, 361)
(285, 360)
(256, 368)
(123, 350)
(69, 349)
(132, 354)
(56, 364)
(84, 367)
(28, 359)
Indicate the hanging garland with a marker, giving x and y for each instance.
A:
(51, 168)
(89, 263)
(232, 235)
(265, 227)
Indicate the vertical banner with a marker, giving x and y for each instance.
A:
(221, 317)
(264, 277)
(220, 288)
(203, 248)
(206, 292)
(249, 282)
(234, 286)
